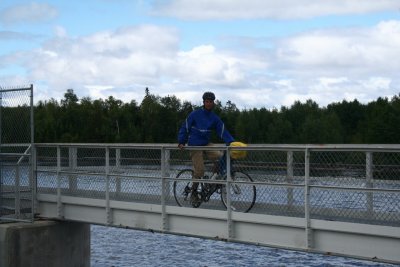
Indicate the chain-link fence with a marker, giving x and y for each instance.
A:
(342, 183)
(16, 139)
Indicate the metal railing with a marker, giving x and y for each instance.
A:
(348, 183)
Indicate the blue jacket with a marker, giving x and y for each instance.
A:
(196, 129)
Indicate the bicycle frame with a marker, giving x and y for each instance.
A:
(208, 189)
(242, 195)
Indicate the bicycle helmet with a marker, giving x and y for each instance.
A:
(208, 96)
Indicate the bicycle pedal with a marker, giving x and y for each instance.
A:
(196, 203)
(195, 199)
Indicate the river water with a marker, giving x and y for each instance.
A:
(117, 247)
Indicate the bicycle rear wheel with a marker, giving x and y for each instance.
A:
(183, 187)
(243, 194)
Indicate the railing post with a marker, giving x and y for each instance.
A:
(33, 181)
(1, 182)
(167, 158)
(164, 188)
(1, 161)
(289, 178)
(118, 157)
(1, 117)
(118, 165)
(17, 191)
(73, 158)
(307, 207)
(107, 170)
(369, 180)
(165, 169)
(32, 165)
(230, 233)
(59, 204)
(32, 123)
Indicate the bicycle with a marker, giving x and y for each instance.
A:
(242, 192)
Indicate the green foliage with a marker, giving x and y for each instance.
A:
(157, 119)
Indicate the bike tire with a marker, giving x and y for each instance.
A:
(243, 195)
(184, 180)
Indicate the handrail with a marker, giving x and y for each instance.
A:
(338, 147)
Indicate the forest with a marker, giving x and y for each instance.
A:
(157, 120)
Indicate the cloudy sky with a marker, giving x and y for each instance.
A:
(256, 53)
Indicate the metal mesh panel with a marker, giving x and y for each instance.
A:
(16, 189)
(337, 168)
(46, 182)
(46, 169)
(15, 119)
(386, 167)
(16, 134)
(135, 174)
(90, 186)
(136, 162)
(85, 170)
(280, 200)
(364, 172)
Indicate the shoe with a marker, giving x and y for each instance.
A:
(195, 199)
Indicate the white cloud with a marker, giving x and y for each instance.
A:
(120, 58)
(367, 51)
(250, 98)
(13, 36)
(329, 84)
(28, 13)
(60, 31)
(205, 65)
(379, 87)
(326, 90)
(261, 9)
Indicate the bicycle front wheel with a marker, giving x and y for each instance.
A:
(242, 192)
(182, 188)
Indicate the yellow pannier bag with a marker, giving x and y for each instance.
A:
(238, 154)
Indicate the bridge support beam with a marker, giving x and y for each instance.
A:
(45, 243)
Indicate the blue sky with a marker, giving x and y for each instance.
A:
(255, 53)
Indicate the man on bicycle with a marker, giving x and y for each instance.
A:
(196, 131)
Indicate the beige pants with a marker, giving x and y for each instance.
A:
(198, 160)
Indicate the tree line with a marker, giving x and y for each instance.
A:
(157, 120)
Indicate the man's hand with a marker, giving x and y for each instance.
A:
(181, 146)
